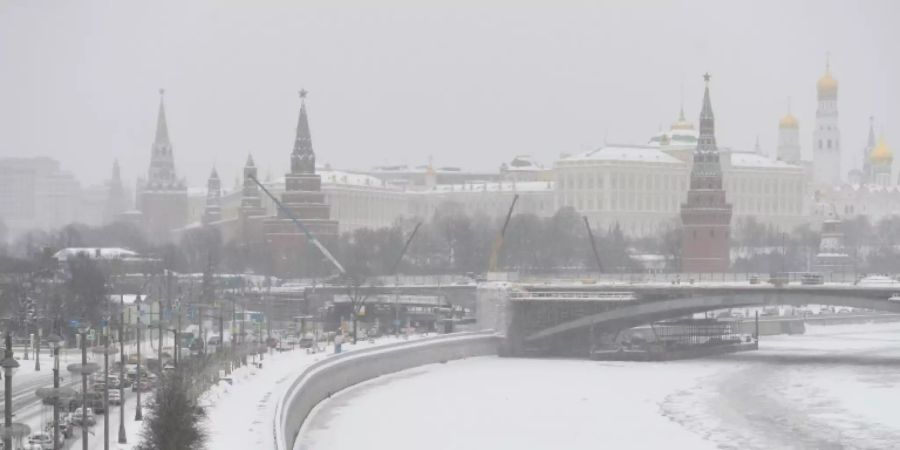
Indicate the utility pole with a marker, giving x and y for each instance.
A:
(123, 437)
(138, 415)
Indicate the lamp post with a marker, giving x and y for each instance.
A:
(138, 415)
(123, 438)
(84, 369)
(37, 349)
(106, 351)
(54, 341)
(9, 365)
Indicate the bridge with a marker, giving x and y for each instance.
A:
(555, 318)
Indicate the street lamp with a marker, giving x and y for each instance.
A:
(138, 415)
(56, 394)
(105, 350)
(9, 365)
(123, 438)
(84, 369)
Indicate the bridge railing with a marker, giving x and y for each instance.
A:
(674, 278)
(572, 295)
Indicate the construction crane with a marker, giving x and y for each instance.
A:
(593, 244)
(405, 247)
(498, 243)
(299, 224)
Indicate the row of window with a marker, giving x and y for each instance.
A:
(621, 181)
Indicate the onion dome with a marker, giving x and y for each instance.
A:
(788, 121)
(827, 85)
(881, 152)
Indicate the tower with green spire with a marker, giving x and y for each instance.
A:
(706, 215)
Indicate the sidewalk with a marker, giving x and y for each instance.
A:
(241, 416)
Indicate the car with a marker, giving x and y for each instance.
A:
(144, 385)
(754, 279)
(895, 297)
(40, 441)
(114, 397)
(83, 416)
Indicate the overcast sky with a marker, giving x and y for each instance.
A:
(471, 83)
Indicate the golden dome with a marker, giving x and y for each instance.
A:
(881, 152)
(827, 84)
(681, 123)
(788, 121)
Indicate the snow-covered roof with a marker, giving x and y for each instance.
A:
(524, 163)
(755, 160)
(625, 153)
(349, 178)
(95, 253)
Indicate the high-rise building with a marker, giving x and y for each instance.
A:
(706, 216)
(789, 138)
(827, 133)
(304, 198)
(162, 197)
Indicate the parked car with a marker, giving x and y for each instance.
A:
(144, 385)
(83, 417)
(114, 397)
(895, 297)
(40, 441)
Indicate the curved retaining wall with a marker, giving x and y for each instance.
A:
(333, 374)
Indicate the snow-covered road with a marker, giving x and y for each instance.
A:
(834, 387)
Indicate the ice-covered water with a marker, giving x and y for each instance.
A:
(834, 387)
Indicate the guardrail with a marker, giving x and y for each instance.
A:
(324, 378)
(599, 296)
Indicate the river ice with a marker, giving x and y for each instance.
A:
(834, 387)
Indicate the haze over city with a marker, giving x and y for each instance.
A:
(484, 225)
(469, 84)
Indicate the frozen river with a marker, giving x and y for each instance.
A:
(834, 387)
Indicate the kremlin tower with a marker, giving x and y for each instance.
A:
(162, 197)
(213, 210)
(303, 197)
(827, 134)
(706, 216)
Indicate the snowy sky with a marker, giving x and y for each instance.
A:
(471, 83)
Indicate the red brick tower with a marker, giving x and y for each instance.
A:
(706, 216)
(292, 254)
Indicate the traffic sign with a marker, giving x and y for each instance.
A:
(74, 323)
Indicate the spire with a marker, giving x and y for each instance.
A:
(303, 159)
(162, 128)
(249, 161)
(706, 143)
(756, 148)
(871, 144)
(214, 174)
